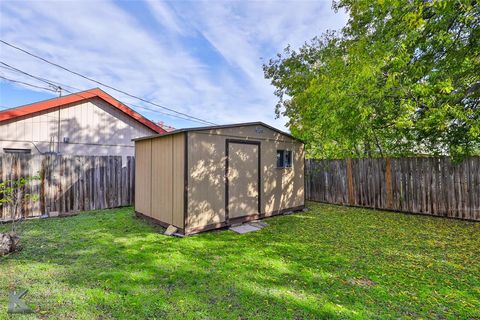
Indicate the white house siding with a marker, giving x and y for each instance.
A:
(93, 127)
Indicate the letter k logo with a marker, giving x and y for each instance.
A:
(15, 305)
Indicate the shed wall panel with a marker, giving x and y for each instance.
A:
(206, 179)
(143, 176)
(281, 188)
(166, 176)
(178, 154)
(162, 179)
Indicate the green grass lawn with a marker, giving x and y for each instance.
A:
(331, 262)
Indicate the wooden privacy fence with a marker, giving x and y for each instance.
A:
(69, 183)
(433, 186)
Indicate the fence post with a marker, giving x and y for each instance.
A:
(388, 183)
(351, 199)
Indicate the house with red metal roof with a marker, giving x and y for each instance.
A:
(85, 123)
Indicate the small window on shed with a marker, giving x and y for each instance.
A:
(284, 159)
(288, 159)
(15, 150)
(280, 158)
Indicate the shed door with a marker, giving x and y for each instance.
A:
(243, 178)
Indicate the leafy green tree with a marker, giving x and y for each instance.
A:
(401, 78)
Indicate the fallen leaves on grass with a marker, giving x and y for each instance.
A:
(363, 282)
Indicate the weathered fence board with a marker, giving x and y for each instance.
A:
(69, 183)
(433, 186)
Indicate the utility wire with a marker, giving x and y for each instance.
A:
(57, 84)
(11, 68)
(26, 84)
(60, 86)
(101, 83)
(74, 93)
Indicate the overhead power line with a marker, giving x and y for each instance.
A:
(26, 84)
(101, 83)
(60, 86)
(56, 86)
(50, 82)
(11, 68)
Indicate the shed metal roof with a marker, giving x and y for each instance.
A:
(225, 126)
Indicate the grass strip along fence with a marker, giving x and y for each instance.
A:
(433, 186)
(69, 183)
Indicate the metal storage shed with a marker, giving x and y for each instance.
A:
(205, 178)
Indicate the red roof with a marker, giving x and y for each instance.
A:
(165, 126)
(73, 98)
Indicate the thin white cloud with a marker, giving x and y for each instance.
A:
(164, 15)
(202, 58)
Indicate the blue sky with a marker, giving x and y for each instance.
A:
(203, 58)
